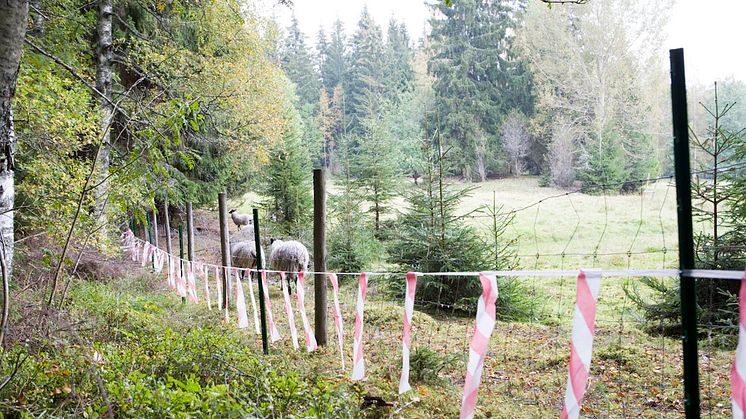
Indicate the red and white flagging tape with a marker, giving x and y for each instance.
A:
(358, 363)
(289, 310)
(300, 295)
(738, 371)
(338, 317)
(243, 318)
(581, 345)
(274, 335)
(408, 312)
(485, 324)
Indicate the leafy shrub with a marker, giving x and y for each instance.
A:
(426, 365)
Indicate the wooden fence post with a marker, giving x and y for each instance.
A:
(319, 254)
(155, 227)
(225, 249)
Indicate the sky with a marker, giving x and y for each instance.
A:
(711, 32)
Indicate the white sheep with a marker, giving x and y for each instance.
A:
(288, 256)
(243, 255)
(241, 219)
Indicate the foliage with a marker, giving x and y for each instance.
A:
(287, 182)
(432, 238)
(150, 366)
(477, 79)
(716, 199)
(426, 365)
(352, 243)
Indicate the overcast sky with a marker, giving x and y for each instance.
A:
(711, 32)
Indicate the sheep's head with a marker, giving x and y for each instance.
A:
(232, 211)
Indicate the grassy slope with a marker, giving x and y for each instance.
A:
(146, 336)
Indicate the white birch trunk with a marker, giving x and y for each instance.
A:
(13, 17)
(103, 85)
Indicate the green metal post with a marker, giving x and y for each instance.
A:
(259, 267)
(181, 254)
(686, 235)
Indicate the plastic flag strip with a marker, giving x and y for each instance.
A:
(289, 310)
(218, 288)
(485, 324)
(338, 317)
(145, 254)
(181, 284)
(738, 371)
(243, 318)
(408, 312)
(171, 275)
(300, 295)
(581, 345)
(358, 363)
(273, 333)
(206, 276)
(191, 283)
(257, 329)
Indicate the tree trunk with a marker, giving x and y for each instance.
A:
(103, 85)
(13, 17)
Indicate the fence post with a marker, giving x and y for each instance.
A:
(149, 232)
(181, 255)
(167, 226)
(225, 249)
(259, 267)
(155, 227)
(190, 232)
(686, 237)
(319, 254)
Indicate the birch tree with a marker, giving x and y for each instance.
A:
(13, 17)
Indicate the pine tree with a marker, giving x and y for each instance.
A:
(377, 165)
(366, 80)
(334, 62)
(476, 79)
(298, 65)
(399, 73)
(288, 182)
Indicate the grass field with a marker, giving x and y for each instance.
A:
(633, 374)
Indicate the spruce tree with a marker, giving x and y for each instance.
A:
(377, 165)
(476, 78)
(298, 65)
(399, 73)
(288, 181)
(334, 60)
(367, 67)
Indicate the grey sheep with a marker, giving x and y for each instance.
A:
(241, 219)
(288, 256)
(243, 255)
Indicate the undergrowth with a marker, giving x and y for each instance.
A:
(147, 355)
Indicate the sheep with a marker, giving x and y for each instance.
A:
(243, 255)
(288, 256)
(241, 219)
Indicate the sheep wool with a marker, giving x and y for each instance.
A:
(243, 254)
(241, 219)
(288, 256)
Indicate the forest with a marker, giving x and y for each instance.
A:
(443, 152)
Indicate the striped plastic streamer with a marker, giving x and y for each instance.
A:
(257, 329)
(206, 276)
(243, 318)
(301, 297)
(191, 283)
(338, 317)
(358, 362)
(408, 312)
(738, 371)
(581, 345)
(289, 310)
(218, 288)
(273, 333)
(181, 285)
(485, 324)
